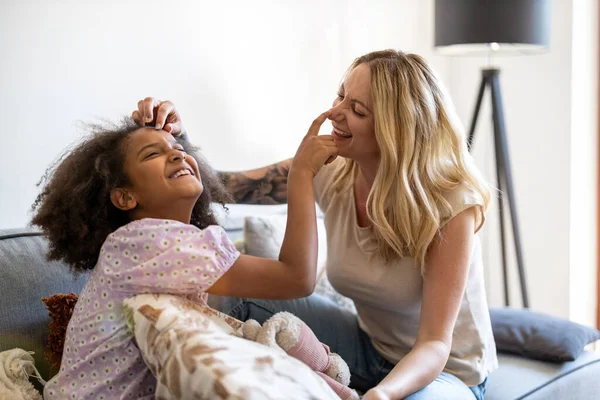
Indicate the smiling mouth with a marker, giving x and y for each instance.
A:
(342, 134)
(182, 172)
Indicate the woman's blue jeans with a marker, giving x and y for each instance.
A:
(338, 328)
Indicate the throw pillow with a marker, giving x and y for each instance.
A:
(60, 308)
(232, 219)
(194, 352)
(325, 289)
(263, 236)
(539, 336)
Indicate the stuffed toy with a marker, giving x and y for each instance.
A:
(286, 332)
(60, 309)
(16, 366)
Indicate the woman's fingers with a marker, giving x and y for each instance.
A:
(159, 114)
(137, 117)
(316, 124)
(174, 128)
(147, 108)
(330, 159)
(314, 150)
(331, 146)
(165, 109)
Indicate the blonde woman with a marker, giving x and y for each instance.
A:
(402, 203)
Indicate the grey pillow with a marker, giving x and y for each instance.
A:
(539, 336)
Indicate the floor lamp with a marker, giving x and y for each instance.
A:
(490, 28)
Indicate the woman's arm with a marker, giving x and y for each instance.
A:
(294, 274)
(443, 288)
(267, 185)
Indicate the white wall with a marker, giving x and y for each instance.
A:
(550, 111)
(248, 77)
(536, 94)
(584, 162)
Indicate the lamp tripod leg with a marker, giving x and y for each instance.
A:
(476, 113)
(485, 82)
(505, 180)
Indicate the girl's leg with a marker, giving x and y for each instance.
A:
(332, 325)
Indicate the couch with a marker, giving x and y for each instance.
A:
(27, 277)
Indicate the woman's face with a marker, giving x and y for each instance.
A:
(352, 117)
(161, 174)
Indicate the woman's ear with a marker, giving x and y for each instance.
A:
(122, 199)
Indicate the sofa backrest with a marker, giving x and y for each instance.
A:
(25, 277)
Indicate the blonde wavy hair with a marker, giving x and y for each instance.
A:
(423, 156)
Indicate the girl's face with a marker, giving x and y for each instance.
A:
(352, 117)
(164, 180)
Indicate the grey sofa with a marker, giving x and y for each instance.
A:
(26, 277)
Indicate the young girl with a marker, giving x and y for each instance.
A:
(133, 205)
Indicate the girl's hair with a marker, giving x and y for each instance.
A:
(74, 209)
(423, 155)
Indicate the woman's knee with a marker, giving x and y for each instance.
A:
(444, 387)
(243, 308)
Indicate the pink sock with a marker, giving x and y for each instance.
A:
(310, 351)
(344, 392)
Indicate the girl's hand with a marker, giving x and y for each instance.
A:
(314, 150)
(160, 114)
(376, 394)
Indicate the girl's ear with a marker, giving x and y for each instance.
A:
(122, 199)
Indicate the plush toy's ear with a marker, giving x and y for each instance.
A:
(281, 331)
(250, 329)
(338, 369)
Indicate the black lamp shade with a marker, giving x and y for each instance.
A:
(471, 27)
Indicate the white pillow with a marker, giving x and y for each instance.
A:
(233, 218)
(193, 352)
(263, 236)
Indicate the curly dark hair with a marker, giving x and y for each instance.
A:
(74, 209)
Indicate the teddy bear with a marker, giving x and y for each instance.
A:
(288, 333)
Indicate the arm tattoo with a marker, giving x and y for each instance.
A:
(270, 187)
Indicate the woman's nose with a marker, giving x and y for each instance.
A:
(337, 111)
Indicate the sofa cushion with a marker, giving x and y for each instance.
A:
(27, 277)
(520, 378)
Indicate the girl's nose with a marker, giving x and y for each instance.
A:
(177, 155)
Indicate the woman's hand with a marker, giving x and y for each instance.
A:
(160, 114)
(314, 150)
(376, 394)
